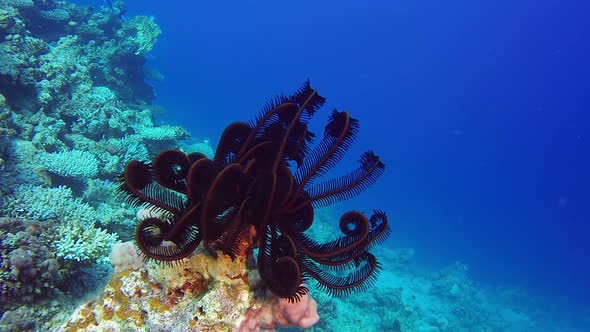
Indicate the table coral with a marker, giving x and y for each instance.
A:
(18, 3)
(163, 133)
(73, 163)
(42, 203)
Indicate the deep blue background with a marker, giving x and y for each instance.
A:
(479, 108)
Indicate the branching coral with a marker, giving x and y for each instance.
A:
(83, 243)
(42, 203)
(76, 236)
(74, 163)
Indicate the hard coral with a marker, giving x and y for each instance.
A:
(142, 31)
(42, 203)
(28, 266)
(19, 3)
(83, 243)
(248, 196)
(73, 163)
(39, 44)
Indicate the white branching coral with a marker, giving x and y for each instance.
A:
(83, 243)
(74, 163)
(42, 203)
(163, 133)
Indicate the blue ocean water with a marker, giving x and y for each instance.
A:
(479, 109)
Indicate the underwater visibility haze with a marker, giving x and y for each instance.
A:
(168, 166)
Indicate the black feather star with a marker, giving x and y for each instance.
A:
(249, 197)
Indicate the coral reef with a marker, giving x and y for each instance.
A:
(74, 163)
(78, 122)
(82, 243)
(95, 114)
(73, 104)
(202, 294)
(75, 108)
(43, 203)
(41, 42)
(207, 293)
(75, 235)
(196, 293)
(28, 267)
